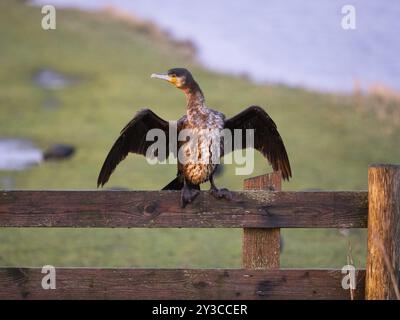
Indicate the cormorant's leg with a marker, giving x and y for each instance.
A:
(188, 194)
(222, 193)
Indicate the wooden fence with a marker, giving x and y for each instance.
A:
(261, 210)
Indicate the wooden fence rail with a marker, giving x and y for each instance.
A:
(260, 213)
(91, 283)
(160, 209)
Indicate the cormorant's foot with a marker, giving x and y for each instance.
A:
(222, 193)
(188, 195)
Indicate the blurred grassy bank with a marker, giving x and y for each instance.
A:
(331, 139)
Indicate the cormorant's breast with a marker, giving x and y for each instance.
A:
(199, 156)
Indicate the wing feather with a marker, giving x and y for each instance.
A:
(132, 139)
(267, 139)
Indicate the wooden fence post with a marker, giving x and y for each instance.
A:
(261, 246)
(383, 260)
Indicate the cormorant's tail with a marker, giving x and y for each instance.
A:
(176, 184)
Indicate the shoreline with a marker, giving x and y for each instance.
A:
(343, 76)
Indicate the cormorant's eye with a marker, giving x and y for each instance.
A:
(172, 78)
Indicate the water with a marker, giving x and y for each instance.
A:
(18, 154)
(296, 42)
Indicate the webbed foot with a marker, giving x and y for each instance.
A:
(222, 193)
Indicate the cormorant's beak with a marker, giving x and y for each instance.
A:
(161, 76)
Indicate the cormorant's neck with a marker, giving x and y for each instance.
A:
(194, 95)
(195, 102)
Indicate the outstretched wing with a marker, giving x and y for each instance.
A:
(266, 137)
(132, 139)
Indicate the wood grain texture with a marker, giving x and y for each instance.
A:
(261, 246)
(251, 209)
(268, 182)
(383, 260)
(84, 283)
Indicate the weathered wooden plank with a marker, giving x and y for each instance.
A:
(383, 261)
(270, 182)
(261, 246)
(84, 283)
(250, 209)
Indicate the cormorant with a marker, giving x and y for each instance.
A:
(198, 117)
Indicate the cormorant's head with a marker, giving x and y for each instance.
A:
(179, 77)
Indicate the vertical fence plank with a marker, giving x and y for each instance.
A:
(261, 247)
(382, 278)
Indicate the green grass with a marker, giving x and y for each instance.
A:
(331, 139)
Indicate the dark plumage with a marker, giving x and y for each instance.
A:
(200, 120)
(267, 139)
(131, 139)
